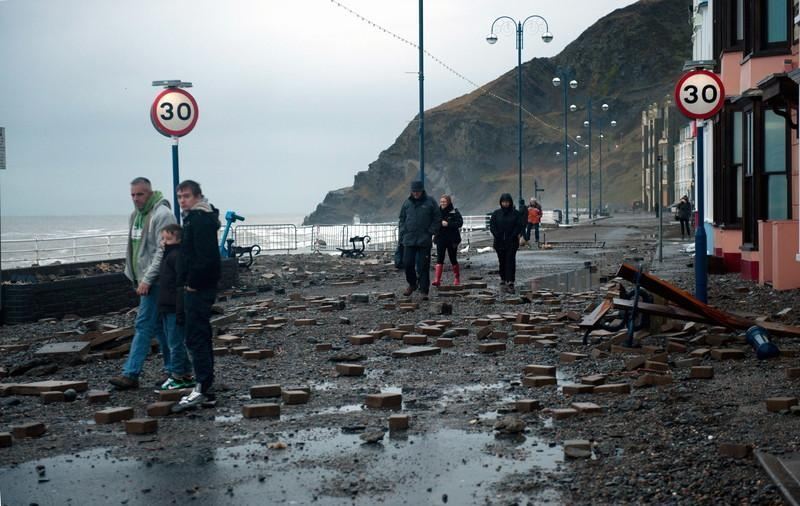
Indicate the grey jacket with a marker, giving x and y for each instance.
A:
(419, 221)
(148, 261)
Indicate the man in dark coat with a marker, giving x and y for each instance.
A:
(684, 214)
(418, 223)
(506, 227)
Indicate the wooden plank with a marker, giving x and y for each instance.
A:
(42, 386)
(111, 335)
(661, 310)
(64, 348)
(784, 472)
(595, 316)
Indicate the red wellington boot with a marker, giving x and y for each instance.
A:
(437, 280)
(457, 275)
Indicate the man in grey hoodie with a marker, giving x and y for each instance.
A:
(142, 264)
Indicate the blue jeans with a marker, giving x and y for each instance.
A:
(175, 357)
(197, 305)
(146, 327)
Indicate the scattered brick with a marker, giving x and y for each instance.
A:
(350, 369)
(527, 405)
(735, 450)
(587, 408)
(656, 366)
(483, 332)
(398, 422)
(701, 372)
(499, 334)
(5, 439)
(261, 391)
(112, 415)
(777, 404)
(700, 352)
(538, 381)
(361, 339)
(141, 426)
(295, 396)
(687, 362)
(305, 322)
(461, 331)
(261, 410)
(544, 343)
(238, 350)
(430, 331)
(793, 373)
(98, 396)
(726, 353)
(634, 363)
(675, 347)
(540, 370)
(522, 339)
(32, 429)
(160, 408)
(228, 339)
(323, 347)
(384, 400)
(220, 351)
(415, 339)
(613, 388)
(653, 380)
(173, 395)
(444, 342)
(594, 379)
(561, 413)
(491, 347)
(575, 389)
(51, 397)
(416, 351)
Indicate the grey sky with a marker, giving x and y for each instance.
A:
(295, 97)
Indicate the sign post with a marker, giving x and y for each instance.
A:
(174, 114)
(700, 95)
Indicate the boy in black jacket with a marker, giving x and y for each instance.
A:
(199, 270)
(171, 312)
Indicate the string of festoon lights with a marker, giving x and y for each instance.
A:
(483, 89)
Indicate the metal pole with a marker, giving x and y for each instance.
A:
(175, 179)
(566, 150)
(700, 265)
(660, 210)
(601, 172)
(421, 102)
(590, 158)
(519, 111)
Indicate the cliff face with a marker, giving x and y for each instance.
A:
(628, 59)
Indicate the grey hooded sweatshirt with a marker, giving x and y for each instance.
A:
(148, 258)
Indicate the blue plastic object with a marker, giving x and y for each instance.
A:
(759, 340)
(230, 218)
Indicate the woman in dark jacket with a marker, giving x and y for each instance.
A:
(506, 227)
(684, 214)
(447, 239)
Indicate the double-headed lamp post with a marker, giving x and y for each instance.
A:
(491, 39)
(612, 124)
(565, 82)
(588, 124)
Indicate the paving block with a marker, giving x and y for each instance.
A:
(540, 370)
(653, 380)
(777, 404)
(252, 355)
(483, 332)
(323, 347)
(634, 363)
(499, 334)
(594, 379)
(98, 396)
(493, 347)
(544, 343)
(562, 413)
(228, 339)
(527, 405)
(51, 396)
(350, 369)
(430, 331)
(686, 363)
(656, 366)
(587, 408)
(173, 395)
(238, 350)
(701, 372)
(32, 429)
(522, 339)
(567, 357)
(361, 339)
(577, 449)
(264, 410)
(700, 353)
(444, 342)
(613, 388)
(384, 400)
(295, 396)
(262, 391)
(575, 389)
(398, 422)
(793, 373)
(160, 408)
(735, 450)
(112, 415)
(416, 351)
(141, 426)
(727, 353)
(415, 339)
(305, 322)
(675, 347)
(220, 351)
(538, 381)
(5, 439)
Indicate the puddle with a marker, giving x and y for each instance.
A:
(318, 466)
(349, 408)
(571, 281)
(229, 418)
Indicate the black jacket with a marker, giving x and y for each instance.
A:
(199, 263)
(684, 210)
(506, 226)
(418, 221)
(449, 235)
(170, 295)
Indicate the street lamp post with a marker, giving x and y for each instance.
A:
(612, 123)
(564, 80)
(491, 39)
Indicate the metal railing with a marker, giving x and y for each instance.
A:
(281, 237)
(81, 248)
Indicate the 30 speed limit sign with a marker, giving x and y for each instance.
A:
(699, 94)
(174, 112)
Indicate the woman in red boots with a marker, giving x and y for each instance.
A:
(447, 239)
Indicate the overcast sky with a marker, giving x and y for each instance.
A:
(295, 96)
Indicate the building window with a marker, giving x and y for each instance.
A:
(749, 230)
(775, 165)
(776, 21)
(737, 171)
(758, 27)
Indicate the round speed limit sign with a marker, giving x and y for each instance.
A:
(174, 112)
(699, 94)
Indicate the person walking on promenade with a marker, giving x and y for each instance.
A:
(171, 312)
(199, 270)
(447, 239)
(684, 214)
(506, 227)
(534, 219)
(142, 263)
(419, 221)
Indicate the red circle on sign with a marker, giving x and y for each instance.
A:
(702, 75)
(165, 130)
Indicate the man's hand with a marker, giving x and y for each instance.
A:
(142, 289)
(444, 223)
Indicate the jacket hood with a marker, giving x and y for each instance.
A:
(508, 197)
